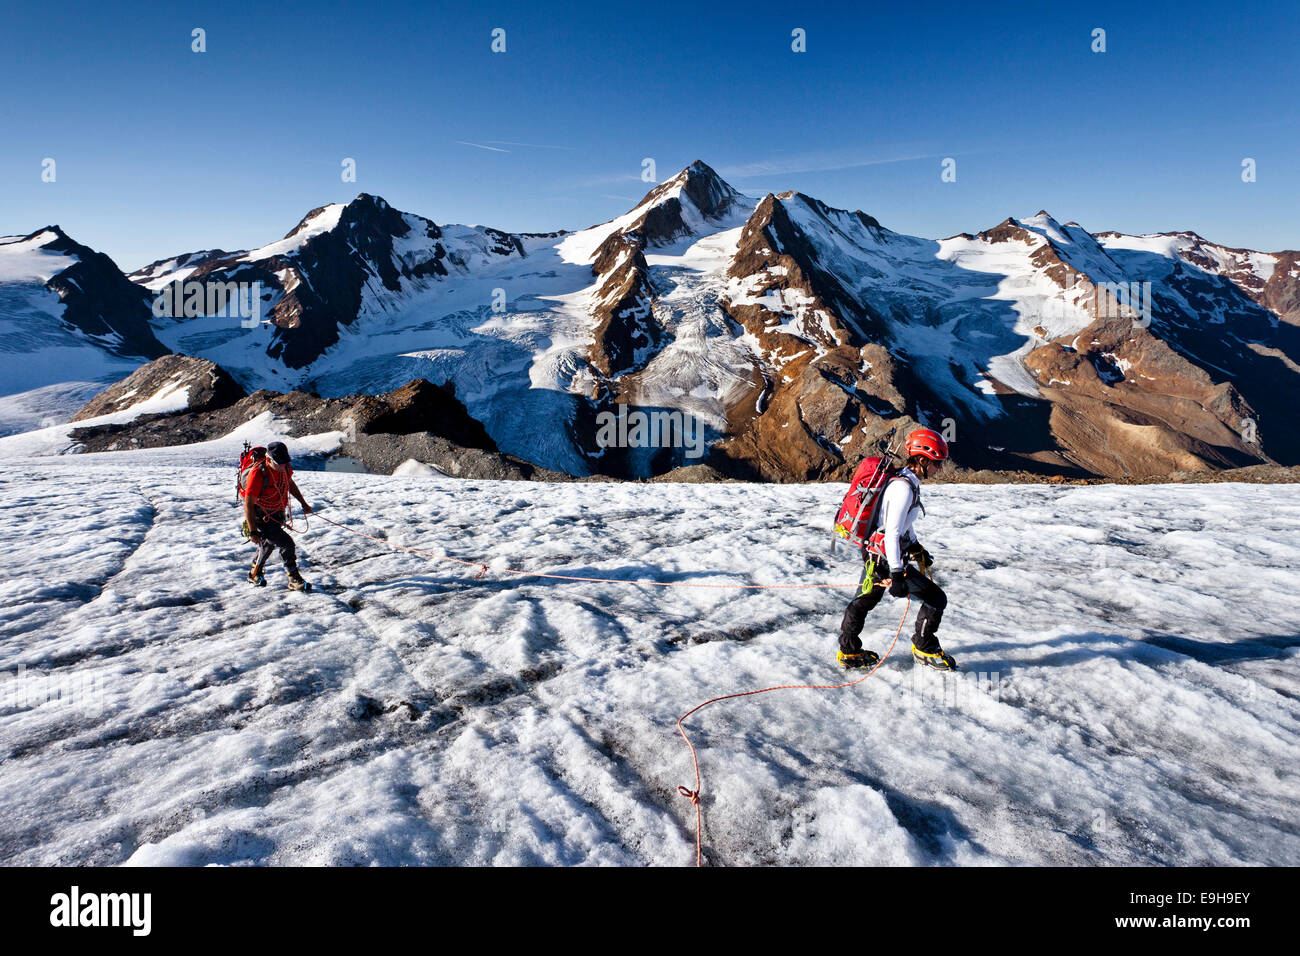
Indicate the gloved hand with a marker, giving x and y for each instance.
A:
(898, 583)
(918, 553)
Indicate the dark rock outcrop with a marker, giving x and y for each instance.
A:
(208, 385)
(626, 332)
(418, 406)
(383, 453)
(418, 421)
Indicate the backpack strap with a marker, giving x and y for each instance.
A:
(915, 489)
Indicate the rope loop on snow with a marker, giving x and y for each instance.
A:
(694, 795)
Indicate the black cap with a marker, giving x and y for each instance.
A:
(278, 453)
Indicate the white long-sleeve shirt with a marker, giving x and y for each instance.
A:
(899, 507)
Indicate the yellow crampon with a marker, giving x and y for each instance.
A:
(862, 658)
(939, 660)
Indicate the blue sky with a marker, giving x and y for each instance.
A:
(160, 150)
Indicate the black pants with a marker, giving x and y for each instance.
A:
(872, 589)
(274, 536)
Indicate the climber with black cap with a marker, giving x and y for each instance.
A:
(266, 485)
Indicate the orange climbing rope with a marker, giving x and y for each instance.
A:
(694, 795)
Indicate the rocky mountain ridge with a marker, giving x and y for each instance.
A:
(794, 334)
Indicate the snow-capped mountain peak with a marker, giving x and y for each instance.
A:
(37, 256)
(1043, 224)
(708, 193)
(320, 220)
(692, 203)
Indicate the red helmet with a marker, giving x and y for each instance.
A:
(926, 442)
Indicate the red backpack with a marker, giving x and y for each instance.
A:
(249, 459)
(859, 513)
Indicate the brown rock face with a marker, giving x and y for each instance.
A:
(812, 429)
(208, 386)
(1281, 292)
(831, 394)
(778, 255)
(1125, 404)
(626, 331)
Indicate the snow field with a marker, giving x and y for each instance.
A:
(1128, 694)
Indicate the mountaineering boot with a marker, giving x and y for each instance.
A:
(296, 583)
(938, 660)
(256, 577)
(862, 658)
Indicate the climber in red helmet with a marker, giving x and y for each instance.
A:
(888, 557)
